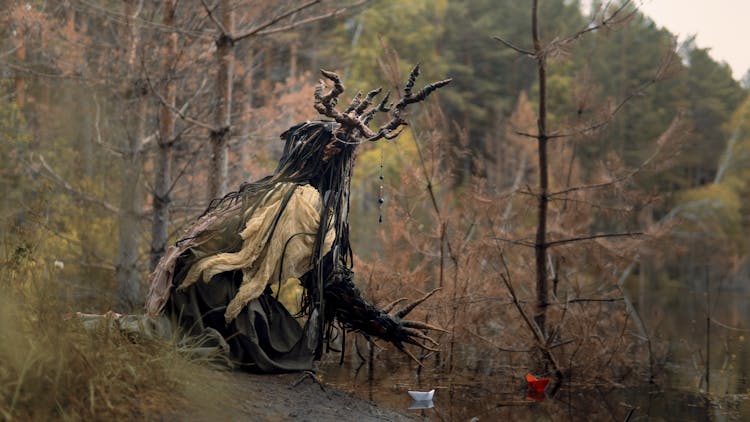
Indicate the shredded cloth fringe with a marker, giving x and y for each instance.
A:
(269, 251)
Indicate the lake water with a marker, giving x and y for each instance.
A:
(676, 317)
(507, 399)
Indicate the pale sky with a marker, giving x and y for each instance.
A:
(721, 25)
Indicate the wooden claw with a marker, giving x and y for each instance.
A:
(419, 334)
(422, 326)
(421, 346)
(412, 357)
(388, 308)
(410, 307)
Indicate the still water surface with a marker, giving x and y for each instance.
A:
(676, 317)
(491, 400)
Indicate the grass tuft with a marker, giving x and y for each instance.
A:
(52, 368)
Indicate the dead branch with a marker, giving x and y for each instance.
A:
(209, 12)
(116, 151)
(660, 142)
(120, 18)
(54, 176)
(515, 242)
(265, 27)
(729, 327)
(588, 300)
(533, 327)
(312, 19)
(270, 22)
(609, 21)
(591, 27)
(500, 348)
(595, 236)
(179, 112)
(514, 47)
(81, 260)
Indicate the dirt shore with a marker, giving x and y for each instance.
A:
(250, 397)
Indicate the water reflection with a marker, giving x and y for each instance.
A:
(421, 404)
(467, 398)
(692, 328)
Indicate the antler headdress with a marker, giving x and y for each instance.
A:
(355, 118)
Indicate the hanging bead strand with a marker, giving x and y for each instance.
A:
(381, 199)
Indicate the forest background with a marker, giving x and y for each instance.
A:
(120, 120)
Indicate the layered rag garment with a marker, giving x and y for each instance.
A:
(277, 244)
(218, 276)
(290, 226)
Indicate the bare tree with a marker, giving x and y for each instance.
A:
(225, 44)
(126, 261)
(542, 287)
(546, 267)
(165, 140)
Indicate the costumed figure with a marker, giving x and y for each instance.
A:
(293, 224)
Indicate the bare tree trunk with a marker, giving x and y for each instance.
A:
(224, 82)
(244, 101)
(163, 176)
(126, 263)
(540, 315)
(20, 56)
(293, 55)
(126, 266)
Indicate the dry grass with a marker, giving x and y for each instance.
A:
(54, 369)
(459, 239)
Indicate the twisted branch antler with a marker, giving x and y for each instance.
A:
(359, 112)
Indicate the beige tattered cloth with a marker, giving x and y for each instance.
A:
(269, 251)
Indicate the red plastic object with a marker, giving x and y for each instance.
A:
(537, 385)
